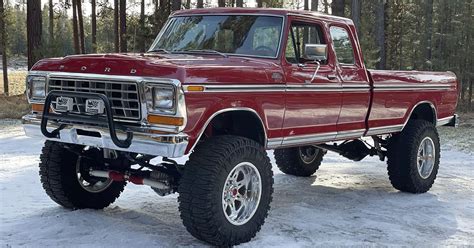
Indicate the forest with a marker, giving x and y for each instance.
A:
(395, 34)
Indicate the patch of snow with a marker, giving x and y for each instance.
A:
(344, 204)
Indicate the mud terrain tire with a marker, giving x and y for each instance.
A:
(59, 178)
(292, 162)
(203, 195)
(404, 157)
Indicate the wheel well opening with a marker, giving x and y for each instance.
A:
(240, 123)
(424, 111)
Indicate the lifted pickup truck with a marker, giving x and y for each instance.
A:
(222, 86)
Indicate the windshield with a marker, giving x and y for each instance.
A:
(232, 34)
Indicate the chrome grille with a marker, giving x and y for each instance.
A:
(123, 95)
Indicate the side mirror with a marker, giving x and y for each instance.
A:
(316, 52)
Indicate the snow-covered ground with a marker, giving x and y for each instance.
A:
(344, 204)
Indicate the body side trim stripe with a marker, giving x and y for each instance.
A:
(314, 87)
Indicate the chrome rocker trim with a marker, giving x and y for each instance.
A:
(166, 145)
(450, 121)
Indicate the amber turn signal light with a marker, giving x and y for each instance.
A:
(195, 88)
(165, 120)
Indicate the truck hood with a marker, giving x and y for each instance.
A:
(189, 69)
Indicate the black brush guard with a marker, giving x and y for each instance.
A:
(107, 120)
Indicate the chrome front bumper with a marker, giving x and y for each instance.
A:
(165, 145)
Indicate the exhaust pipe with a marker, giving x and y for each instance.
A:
(120, 177)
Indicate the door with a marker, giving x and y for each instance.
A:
(355, 83)
(313, 101)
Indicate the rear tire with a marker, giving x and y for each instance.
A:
(215, 205)
(63, 181)
(299, 161)
(413, 157)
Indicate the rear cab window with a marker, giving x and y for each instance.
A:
(342, 45)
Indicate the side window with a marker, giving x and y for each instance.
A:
(300, 35)
(342, 45)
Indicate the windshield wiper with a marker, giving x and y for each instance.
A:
(159, 50)
(204, 51)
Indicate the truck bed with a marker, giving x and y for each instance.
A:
(396, 93)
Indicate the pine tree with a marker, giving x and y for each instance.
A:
(380, 32)
(81, 27)
(94, 26)
(123, 26)
(3, 48)
(34, 32)
(337, 7)
(116, 26)
(355, 14)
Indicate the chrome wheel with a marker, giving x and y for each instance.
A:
(308, 154)
(92, 185)
(241, 193)
(426, 157)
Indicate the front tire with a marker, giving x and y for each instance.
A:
(413, 157)
(226, 190)
(299, 161)
(65, 179)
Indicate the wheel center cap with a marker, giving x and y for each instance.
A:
(234, 192)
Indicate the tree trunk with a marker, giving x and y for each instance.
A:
(401, 28)
(164, 12)
(141, 42)
(259, 3)
(428, 33)
(221, 3)
(355, 14)
(3, 48)
(314, 5)
(175, 5)
(200, 4)
(326, 7)
(239, 3)
(51, 24)
(188, 4)
(468, 61)
(81, 26)
(470, 96)
(306, 5)
(123, 26)
(380, 33)
(34, 31)
(94, 26)
(116, 26)
(75, 31)
(337, 7)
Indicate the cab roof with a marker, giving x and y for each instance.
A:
(263, 11)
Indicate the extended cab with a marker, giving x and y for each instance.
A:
(223, 85)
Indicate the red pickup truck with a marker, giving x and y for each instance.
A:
(222, 86)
